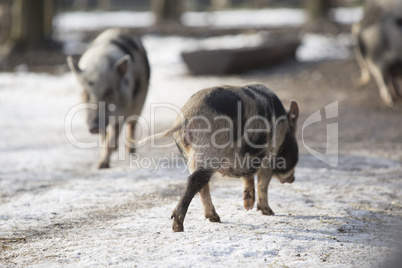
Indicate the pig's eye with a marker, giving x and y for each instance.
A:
(90, 83)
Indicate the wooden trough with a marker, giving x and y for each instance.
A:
(230, 61)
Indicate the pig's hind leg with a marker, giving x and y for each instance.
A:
(249, 192)
(195, 182)
(209, 209)
(382, 77)
(264, 177)
(394, 81)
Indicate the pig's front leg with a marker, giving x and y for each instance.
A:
(264, 177)
(110, 143)
(130, 136)
(248, 193)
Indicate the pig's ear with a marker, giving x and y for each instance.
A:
(293, 115)
(121, 65)
(73, 65)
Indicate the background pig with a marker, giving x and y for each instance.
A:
(113, 74)
(379, 46)
(238, 132)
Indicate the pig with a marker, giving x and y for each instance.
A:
(378, 47)
(114, 70)
(237, 131)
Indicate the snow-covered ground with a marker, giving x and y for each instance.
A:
(78, 21)
(57, 209)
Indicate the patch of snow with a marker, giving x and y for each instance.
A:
(246, 18)
(347, 15)
(78, 20)
(317, 47)
(229, 41)
(81, 21)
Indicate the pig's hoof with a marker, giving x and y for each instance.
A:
(177, 225)
(265, 210)
(177, 222)
(103, 165)
(213, 217)
(389, 103)
(248, 203)
(387, 99)
(130, 150)
(248, 200)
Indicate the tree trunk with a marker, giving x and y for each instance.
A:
(80, 4)
(219, 4)
(318, 9)
(5, 20)
(167, 11)
(31, 22)
(105, 5)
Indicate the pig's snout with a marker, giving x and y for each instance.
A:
(94, 128)
(291, 179)
(97, 125)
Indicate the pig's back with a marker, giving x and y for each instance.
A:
(229, 110)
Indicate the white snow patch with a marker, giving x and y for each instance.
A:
(317, 47)
(347, 15)
(229, 42)
(78, 20)
(246, 18)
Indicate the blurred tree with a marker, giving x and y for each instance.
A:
(5, 20)
(318, 9)
(80, 4)
(167, 11)
(31, 22)
(319, 17)
(258, 3)
(220, 4)
(105, 5)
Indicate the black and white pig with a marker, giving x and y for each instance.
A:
(114, 71)
(379, 46)
(238, 132)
